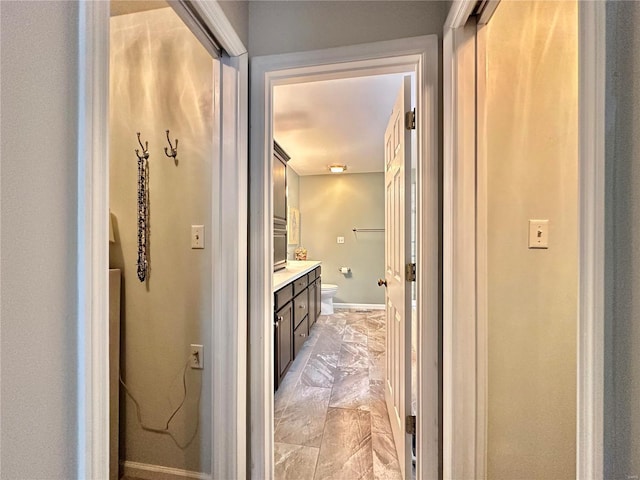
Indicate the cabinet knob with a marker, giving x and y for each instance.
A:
(303, 335)
(302, 305)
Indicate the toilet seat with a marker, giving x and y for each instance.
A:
(326, 287)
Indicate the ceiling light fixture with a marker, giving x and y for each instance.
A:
(337, 168)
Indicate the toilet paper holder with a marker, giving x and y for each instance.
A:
(344, 270)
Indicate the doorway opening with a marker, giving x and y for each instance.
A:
(419, 57)
(164, 138)
(476, 102)
(330, 413)
(222, 421)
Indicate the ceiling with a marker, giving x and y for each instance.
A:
(335, 121)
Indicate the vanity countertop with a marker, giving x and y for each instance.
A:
(295, 269)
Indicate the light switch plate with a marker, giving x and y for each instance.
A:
(197, 236)
(538, 233)
(340, 239)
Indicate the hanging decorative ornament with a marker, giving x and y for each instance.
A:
(143, 210)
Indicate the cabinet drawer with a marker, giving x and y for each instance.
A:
(300, 284)
(312, 276)
(299, 336)
(317, 272)
(300, 308)
(283, 295)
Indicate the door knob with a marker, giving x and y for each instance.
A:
(382, 282)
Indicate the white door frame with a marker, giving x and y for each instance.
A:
(418, 54)
(464, 327)
(228, 456)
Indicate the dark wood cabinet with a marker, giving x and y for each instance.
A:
(313, 313)
(300, 307)
(280, 159)
(297, 306)
(318, 292)
(283, 341)
(279, 164)
(300, 336)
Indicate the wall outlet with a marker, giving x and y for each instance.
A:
(197, 356)
(340, 239)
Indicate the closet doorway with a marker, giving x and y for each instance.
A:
(223, 195)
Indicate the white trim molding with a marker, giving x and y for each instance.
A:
(418, 55)
(462, 420)
(211, 14)
(591, 166)
(93, 235)
(145, 471)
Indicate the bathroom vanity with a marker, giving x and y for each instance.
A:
(296, 309)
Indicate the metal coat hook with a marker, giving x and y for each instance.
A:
(145, 149)
(174, 150)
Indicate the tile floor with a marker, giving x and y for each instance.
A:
(330, 416)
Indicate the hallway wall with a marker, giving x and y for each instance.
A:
(38, 331)
(622, 281)
(294, 26)
(531, 155)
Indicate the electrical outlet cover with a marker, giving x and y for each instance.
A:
(197, 356)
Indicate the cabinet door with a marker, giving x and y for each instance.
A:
(318, 296)
(279, 190)
(312, 304)
(284, 341)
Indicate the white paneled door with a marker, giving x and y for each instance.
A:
(397, 142)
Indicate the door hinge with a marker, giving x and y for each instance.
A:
(410, 272)
(410, 424)
(410, 120)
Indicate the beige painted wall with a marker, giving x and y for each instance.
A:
(162, 78)
(331, 206)
(532, 294)
(293, 26)
(622, 369)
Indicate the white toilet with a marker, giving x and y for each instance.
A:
(327, 292)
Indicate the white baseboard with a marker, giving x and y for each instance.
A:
(360, 306)
(145, 471)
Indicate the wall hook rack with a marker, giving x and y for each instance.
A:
(174, 150)
(145, 149)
